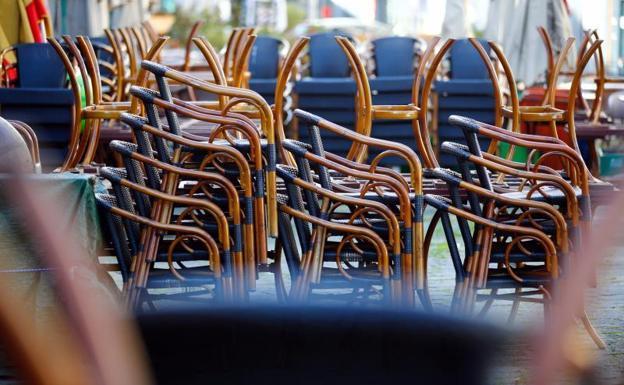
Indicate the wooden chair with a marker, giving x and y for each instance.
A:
(137, 278)
(553, 209)
(546, 113)
(239, 96)
(231, 163)
(85, 130)
(412, 270)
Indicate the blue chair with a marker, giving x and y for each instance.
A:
(468, 74)
(264, 62)
(41, 100)
(394, 69)
(326, 57)
(467, 92)
(328, 89)
(38, 66)
(394, 56)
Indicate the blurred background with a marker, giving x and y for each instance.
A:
(364, 19)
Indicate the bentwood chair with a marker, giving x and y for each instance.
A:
(239, 96)
(241, 155)
(508, 247)
(361, 257)
(404, 194)
(417, 111)
(128, 50)
(282, 86)
(546, 113)
(161, 206)
(359, 204)
(85, 82)
(174, 152)
(589, 115)
(570, 196)
(125, 231)
(523, 261)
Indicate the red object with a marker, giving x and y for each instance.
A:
(36, 10)
(533, 97)
(326, 11)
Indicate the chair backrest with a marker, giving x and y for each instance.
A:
(39, 66)
(326, 57)
(264, 58)
(394, 56)
(466, 62)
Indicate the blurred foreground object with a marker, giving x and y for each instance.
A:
(316, 345)
(88, 340)
(14, 152)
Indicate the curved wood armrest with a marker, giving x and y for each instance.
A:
(342, 229)
(545, 208)
(396, 112)
(367, 168)
(535, 113)
(397, 187)
(568, 190)
(92, 112)
(203, 204)
(112, 106)
(404, 151)
(379, 208)
(209, 242)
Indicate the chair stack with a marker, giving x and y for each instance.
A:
(200, 217)
(326, 89)
(394, 61)
(40, 99)
(467, 91)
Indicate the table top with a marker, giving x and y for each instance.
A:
(598, 130)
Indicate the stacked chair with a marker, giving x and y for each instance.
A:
(265, 60)
(205, 214)
(392, 68)
(465, 90)
(38, 98)
(326, 88)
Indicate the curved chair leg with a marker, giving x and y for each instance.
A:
(514, 307)
(592, 331)
(423, 294)
(488, 303)
(280, 288)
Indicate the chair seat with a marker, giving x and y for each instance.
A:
(392, 83)
(502, 280)
(321, 86)
(554, 195)
(465, 87)
(33, 96)
(263, 86)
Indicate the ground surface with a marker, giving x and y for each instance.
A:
(605, 308)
